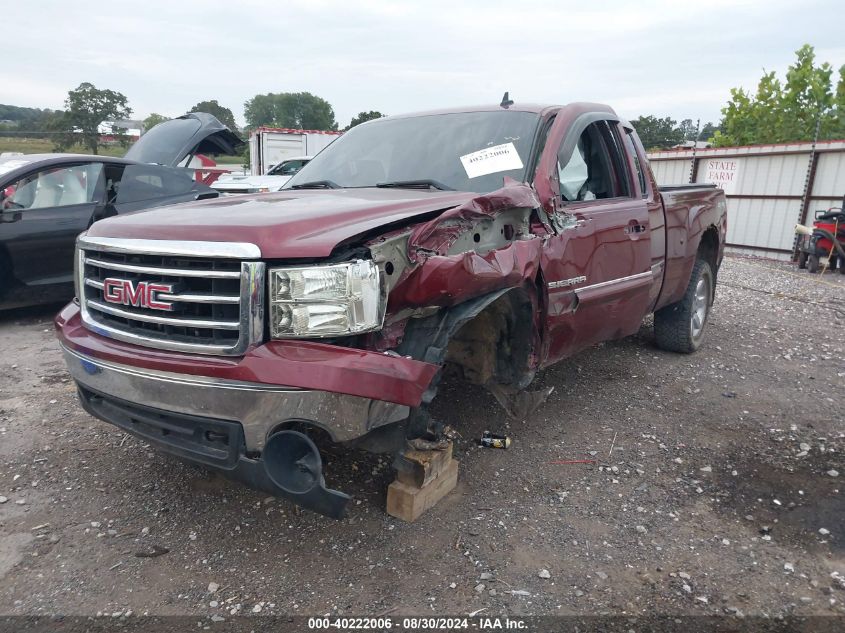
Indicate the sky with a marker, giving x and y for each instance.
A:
(677, 59)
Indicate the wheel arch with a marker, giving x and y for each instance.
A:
(709, 250)
(493, 337)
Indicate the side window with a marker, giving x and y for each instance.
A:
(595, 168)
(620, 174)
(148, 182)
(574, 173)
(57, 187)
(629, 143)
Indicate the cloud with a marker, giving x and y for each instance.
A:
(659, 56)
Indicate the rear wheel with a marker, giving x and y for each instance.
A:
(680, 326)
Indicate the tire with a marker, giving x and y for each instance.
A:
(813, 263)
(802, 260)
(680, 327)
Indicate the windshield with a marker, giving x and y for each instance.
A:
(466, 151)
(287, 167)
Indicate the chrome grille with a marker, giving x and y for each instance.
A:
(215, 297)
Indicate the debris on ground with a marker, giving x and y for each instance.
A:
(730, 421)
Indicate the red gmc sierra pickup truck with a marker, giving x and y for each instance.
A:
(495, 240)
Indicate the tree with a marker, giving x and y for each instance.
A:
(32, 122)
(86, 108)
(687, 130)
(23, 116)
(154, 119)
(657, 133)
(782, 112)
(223, 114)
(839, 105)
(299, 110)
(361, 117)
(708, 131)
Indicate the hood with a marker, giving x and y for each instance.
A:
(238, 181)
(170, 142)
(287, 224)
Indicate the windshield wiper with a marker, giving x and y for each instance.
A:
(317, 184)
(415, 184)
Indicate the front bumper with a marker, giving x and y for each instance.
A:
(293, 470)
(231, 413)
(260, 409)
(224, 424)
(347, 392)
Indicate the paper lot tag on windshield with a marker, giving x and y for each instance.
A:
(491, 160)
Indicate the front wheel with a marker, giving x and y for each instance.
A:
(802, 260)
(813, 263)
(680, 327)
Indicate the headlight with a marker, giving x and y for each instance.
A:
(78, 267)
(320, 301)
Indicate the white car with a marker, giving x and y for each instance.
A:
(273, 180)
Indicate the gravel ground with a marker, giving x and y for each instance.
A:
(717, 489)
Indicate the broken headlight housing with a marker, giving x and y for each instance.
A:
(324, 301)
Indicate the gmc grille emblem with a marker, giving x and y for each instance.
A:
(140, 294)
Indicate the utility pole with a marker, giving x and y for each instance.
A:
(693, 164)
(808, 182)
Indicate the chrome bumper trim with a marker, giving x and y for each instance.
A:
(613, 282)
(260, 408)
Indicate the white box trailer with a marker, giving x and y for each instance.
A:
(268, 146)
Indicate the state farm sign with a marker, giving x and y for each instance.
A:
(722, 172)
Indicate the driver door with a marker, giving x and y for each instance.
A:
(597, 266)
(42, 214)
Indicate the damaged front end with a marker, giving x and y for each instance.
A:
(458, 290)
(465, 293)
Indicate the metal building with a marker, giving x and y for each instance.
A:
(769, 188)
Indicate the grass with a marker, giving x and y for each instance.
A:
(45, 146)
(229, 160)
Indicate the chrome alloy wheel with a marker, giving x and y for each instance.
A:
(700, 306)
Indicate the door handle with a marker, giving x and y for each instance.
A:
(634, 228)
(7, 217)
